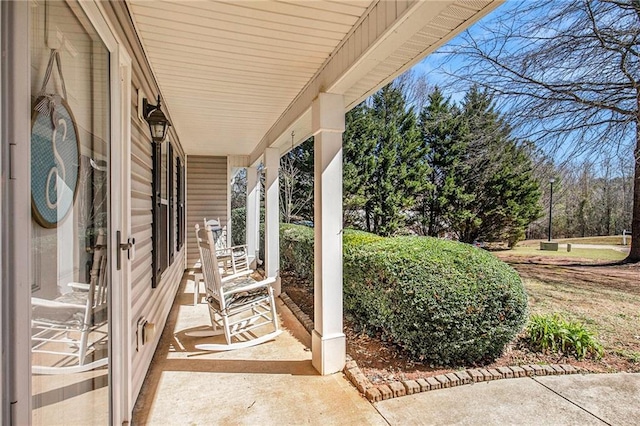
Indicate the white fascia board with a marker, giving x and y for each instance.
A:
(344, 68)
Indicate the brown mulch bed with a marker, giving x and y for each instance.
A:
(382, 361)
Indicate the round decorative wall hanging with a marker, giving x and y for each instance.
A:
(55, 155)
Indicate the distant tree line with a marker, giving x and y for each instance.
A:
(590, 198)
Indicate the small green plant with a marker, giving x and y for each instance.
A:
(555, 334)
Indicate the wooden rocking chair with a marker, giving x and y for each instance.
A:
(237, 255)
(71, 325)
(238, 304)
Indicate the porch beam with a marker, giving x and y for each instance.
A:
(328, 342)
(253, 215)
(383, 29)
(272, 216)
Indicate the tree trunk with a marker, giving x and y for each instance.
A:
(368, 219)
(432, 217)
(634, 253)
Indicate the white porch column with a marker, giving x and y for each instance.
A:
(328, 340)
(272, 216)
(229, 225)
(253, 215)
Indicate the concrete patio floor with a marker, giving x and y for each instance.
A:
(275, 384)
(593, 399)
(272, 383)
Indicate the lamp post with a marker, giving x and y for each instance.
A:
(550, 204)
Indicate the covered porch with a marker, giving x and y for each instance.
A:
(243, 83)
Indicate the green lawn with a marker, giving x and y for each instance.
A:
(577, 253)
(610, 240)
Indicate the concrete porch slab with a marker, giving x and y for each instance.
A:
(272, 383)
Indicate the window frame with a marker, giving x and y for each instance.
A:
(170, 206)
(180, 205)
(162, 233)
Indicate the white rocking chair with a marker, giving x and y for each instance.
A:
(238, 255)
(238, 304)
(62, 327)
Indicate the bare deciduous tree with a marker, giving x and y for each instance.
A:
(568, 73)
(292, 198)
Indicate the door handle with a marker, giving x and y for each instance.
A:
(129, 247)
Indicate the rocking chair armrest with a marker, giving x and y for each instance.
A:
(36, 301)
(226, 251)
(236, 275)
(258, 284)
(79, 286)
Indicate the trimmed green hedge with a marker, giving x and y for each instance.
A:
(296, 251)
(238, 228)
(296, 248)
(445, 302)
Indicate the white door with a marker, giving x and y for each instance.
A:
(75, 168)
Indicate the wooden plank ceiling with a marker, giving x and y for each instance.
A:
(230, 70)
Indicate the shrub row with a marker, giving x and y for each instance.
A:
(444, 302)
(296, 251)
(238, 228)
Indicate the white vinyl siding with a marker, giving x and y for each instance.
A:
(207, 192)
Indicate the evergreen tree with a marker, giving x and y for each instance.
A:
(459, 171)
(443, 144)
(383, 162)
(399, 161)
(481, 182)
(359, 162)
(499, 172)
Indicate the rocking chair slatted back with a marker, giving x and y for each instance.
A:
(238, 255)
(210, 270)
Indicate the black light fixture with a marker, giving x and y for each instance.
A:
(158, 122)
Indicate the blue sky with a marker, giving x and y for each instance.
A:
(434, 68)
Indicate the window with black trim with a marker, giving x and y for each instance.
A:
(180, 203)
(171, 228)
(162, 231)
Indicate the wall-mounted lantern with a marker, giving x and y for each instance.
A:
(158, 122)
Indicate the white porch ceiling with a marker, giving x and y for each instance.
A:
(237, 76)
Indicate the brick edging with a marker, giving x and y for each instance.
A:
(297, 312)
(376, 393)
